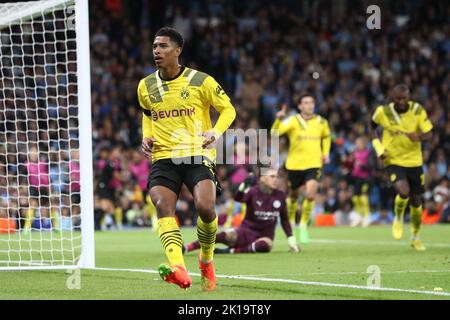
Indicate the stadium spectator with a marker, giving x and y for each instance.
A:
(139, 167)
(331, 204)
(360, 175)
(343, 214)
(108, 182)
(37, 170)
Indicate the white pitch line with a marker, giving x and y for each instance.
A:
(310, 283)
(396, 243)
(345, 273)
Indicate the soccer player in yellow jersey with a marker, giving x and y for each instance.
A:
(309, 148)
(405, 125)
(178, 137)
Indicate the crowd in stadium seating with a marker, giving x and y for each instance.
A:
(39, 158)
(264, 55)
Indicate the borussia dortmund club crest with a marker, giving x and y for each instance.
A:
(184, 94)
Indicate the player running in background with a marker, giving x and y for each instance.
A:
(405, 125)
(360, 179)
(265, 204)
(309, 148)
(178, 137)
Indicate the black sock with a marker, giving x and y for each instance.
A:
(222, 250)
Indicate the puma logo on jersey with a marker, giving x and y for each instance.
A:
(259, 203)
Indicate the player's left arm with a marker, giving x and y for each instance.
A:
(425, 127)
(220, 101)
(285, 221)
(292, 243)
(326, 142)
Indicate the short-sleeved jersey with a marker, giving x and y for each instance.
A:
(177, 112)
(401, 150)
(309, 140)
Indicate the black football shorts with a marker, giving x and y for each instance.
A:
(296, 178)
(172, 173)
(413, 175)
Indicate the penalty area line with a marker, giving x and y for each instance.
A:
(308, 283)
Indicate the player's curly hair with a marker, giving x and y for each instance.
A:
(172, 33)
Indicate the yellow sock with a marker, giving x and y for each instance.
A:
(416, 219)
(28, 217)
(206, 233)
(400, 206)
(118, 216)
(103, 221)
(152, 213)
(292, 207)
(356, 204)
(364, 203)
(230, 210)
(54, 216)
(171, 239)
(307, 208)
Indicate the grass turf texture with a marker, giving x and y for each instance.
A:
(336, 255)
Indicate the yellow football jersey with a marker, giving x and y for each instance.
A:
(309, 140)
(177, 112)
(401, 150)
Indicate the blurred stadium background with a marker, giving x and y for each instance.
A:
(264, 54)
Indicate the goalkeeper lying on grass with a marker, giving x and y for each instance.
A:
(265, 203)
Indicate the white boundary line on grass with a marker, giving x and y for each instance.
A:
(346, 273)
(392, 243)
(310, 283)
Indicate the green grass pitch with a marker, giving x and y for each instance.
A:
(337, 255)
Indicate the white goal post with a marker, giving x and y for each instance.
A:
(46, 171)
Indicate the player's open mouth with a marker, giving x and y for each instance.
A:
(158, 59)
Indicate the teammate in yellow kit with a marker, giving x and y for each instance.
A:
(405, 125)
(178, 137)
(309, 148)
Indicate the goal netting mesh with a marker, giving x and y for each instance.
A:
(40, 219)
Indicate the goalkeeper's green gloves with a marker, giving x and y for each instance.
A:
(247, 182)
(293, 247)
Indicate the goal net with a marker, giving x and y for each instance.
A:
(46, 211)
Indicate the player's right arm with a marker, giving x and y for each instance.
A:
(375, 133)
(147, 129)
(281, 127)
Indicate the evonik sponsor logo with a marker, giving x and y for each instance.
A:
(172, 113)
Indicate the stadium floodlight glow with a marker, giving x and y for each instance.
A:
(46, 178)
